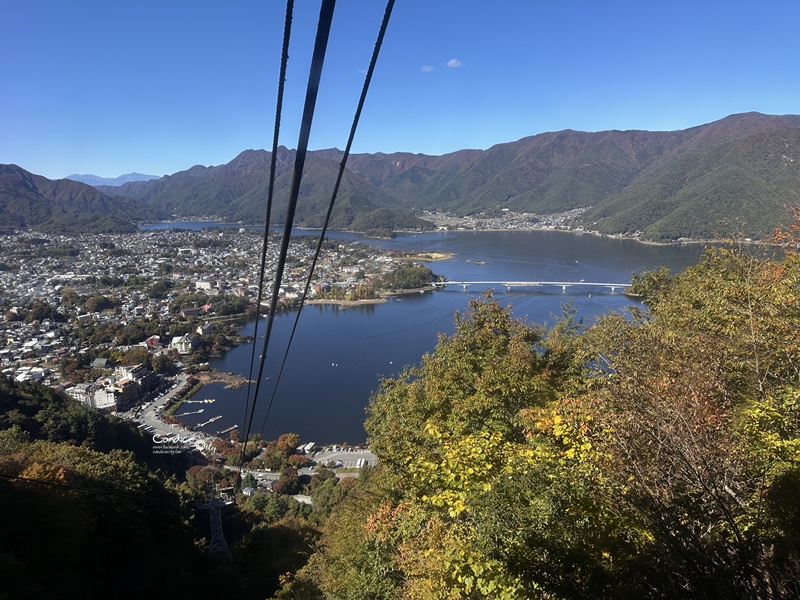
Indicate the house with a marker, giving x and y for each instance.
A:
(184, 344)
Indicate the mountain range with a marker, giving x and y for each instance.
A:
(733, 176)
(112, 181)
(63, 205)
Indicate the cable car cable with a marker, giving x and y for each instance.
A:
(315, 74)
(376, 51)
(287, 28)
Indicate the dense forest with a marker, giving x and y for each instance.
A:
(91, 510)
(649, 454)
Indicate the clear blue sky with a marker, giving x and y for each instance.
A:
(112, 86)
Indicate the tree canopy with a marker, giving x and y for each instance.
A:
(652, 454)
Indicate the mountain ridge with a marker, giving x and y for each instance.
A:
(733, 176)
(95, 180)
(64, 205)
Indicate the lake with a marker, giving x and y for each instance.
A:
(339, 355)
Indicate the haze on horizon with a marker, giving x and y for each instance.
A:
(116, 88)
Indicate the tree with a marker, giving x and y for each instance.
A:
(654, 454)
(288, 442)
(288, 483)
(448, 435)
(689, 421)
(41, 310)
(162, 364)
(98, 303)
(136, 356)
(298, 461)
(404, 278)
(249, 481)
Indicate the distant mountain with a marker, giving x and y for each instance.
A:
(94, 180)
(63, 205)
(694, 183)
(238, 191)
(732, 176)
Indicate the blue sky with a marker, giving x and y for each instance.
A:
(110, 87)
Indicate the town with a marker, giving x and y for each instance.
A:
(111, 320)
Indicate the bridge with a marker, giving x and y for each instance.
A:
(509, 284)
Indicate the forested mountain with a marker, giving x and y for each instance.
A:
(736, 175)
(64, 206)
(238, 191)
(673, 184)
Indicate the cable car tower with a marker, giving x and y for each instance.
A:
(218, 548)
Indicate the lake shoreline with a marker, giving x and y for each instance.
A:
(339, 356)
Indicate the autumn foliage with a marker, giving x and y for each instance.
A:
(652, 454)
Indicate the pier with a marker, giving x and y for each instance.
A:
(211, 420)
(196, 412)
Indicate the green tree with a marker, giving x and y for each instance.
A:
(654, 454)
(448, 434)
(249, 481)
(405, 278)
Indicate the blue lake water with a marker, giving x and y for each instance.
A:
(339, 355)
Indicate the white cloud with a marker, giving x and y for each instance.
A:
(426, 68)
(454, 63)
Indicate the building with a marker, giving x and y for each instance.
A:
(146, 379)
(80, 393)
(128, 393)
(105, 398)
(184, 344)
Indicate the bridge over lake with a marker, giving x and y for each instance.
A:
(563, 284)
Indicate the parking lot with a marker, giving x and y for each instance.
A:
(345, 458)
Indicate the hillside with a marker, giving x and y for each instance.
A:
(688, 183)
(63, 206)
(238, 191)
(733, 176)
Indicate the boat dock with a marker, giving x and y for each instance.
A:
(211, 420)
(194, 412)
